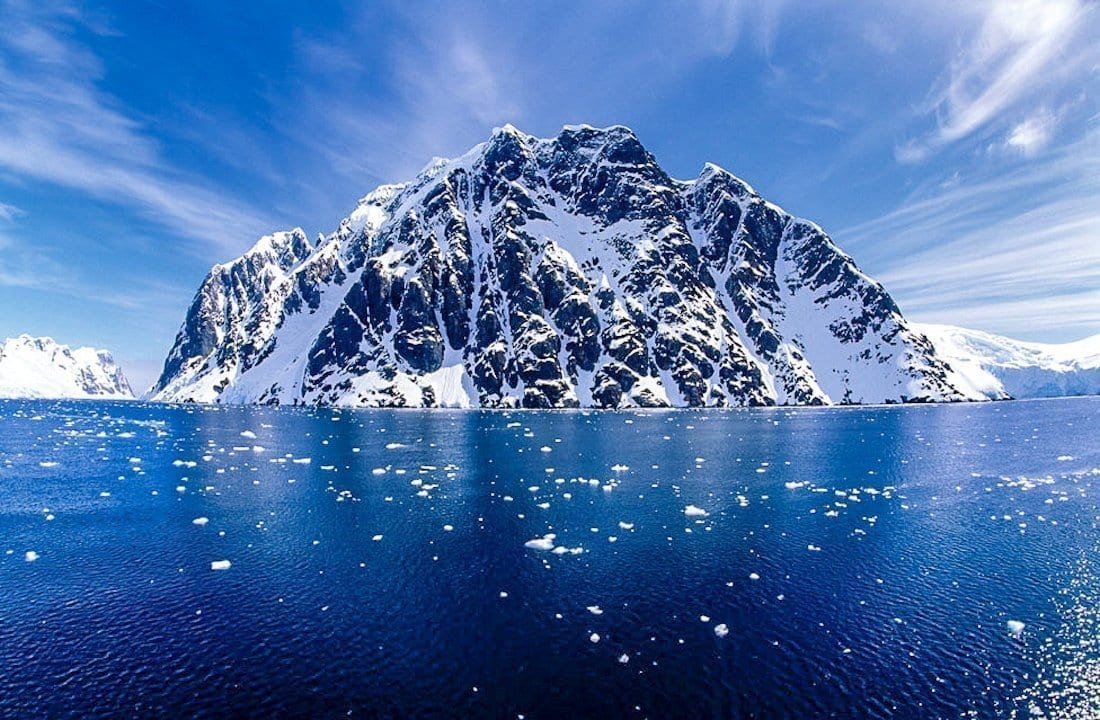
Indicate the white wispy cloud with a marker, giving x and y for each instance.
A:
(58, 126)
(1023, 51)
(956, 255)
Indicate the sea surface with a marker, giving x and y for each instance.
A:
(767, 563)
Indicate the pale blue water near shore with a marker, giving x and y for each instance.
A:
(860, 562)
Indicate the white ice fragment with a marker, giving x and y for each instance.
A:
(754, 576)
(220, 565)
(619, 467)
(448, 528)
(248, 434)
(693, 511)
(721, 630)
(594, 637)
(200, 521)
(48, 463)
(624, 659)
(1015, 628)
(595, 610)
(626, 525)
(546, 542)
(394, 445)
(377, 538)
(30, 556)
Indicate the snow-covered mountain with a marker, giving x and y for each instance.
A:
(570, 271)
(33, 367)
(1000, 367)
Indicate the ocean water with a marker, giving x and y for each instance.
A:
(802, 563)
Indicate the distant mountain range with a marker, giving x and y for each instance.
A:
(563, 272)
(33, 367)
(999, 367)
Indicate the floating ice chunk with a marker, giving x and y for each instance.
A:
(594, 637)
(48, 463)
(394, 445)
(813, 548)
(221, 565)
(546, 449)
(200, 521)
(619, 467)
(546, 542)
(377, 538)
(1015, 628)
(248, 434)
(693, 511)
(794, 484)
(30, 556)
(378, 471)
(754, 576)
(704, 618)
(626, 525)
(448, 528)
(721, 630)
(595, 610)
(624, 659)
(1065, 458)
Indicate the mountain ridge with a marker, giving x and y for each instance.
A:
(552, 272)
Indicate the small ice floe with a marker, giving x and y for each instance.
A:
(48, 463)
(200, 521)
(624, 659)
(378, 471)
(302, 461)
(30, 556)
(794, 484)
(377, 538)
(1015, 628)
(619, 467)
(813, 548)
(221, 565)
(448, 528)
(693, 511)
(546, 449)
(594, 637)
(1065, 458)
(248, 434)
(704, 618)
(546, 542)
(394, 446)
(721, 630)
(626, 525)
(754, 576)
(595, 609)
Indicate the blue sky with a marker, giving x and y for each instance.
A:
(952, 148)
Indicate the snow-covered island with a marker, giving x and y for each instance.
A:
(573, 271)
(39, 367)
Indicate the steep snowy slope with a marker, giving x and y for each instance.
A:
(999, 367)
(552, 273)
(40, 368)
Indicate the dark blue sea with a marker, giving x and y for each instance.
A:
(896, 562)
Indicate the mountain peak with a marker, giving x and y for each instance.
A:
(554, 272)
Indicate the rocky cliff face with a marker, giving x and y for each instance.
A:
(33, 367)
(562, 272)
